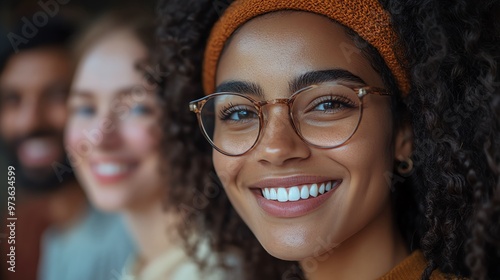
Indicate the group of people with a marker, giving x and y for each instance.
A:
(253, 139)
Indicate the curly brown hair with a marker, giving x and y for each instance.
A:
(449, 207)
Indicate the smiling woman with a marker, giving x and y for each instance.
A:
(112, 120)
(113, 138)
(287, 47)
(338, 135)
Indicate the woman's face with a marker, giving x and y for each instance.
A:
(112, 134)
(272, 52)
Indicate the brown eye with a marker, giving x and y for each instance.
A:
(237, 113)
(331, 104)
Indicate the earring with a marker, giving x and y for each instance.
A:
(405, 167)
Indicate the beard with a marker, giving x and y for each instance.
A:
(39, 179)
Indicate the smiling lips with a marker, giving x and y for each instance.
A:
(299, 198)
(296, 193)
(110, 169)
(111, 172)
(39, 152)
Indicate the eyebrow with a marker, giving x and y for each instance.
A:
(130, 91)
(240, 87)
(122, 92)
(304, 80)
(80, 94)
(322, 76)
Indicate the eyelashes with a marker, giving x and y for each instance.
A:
(233, 112)
(331, 104)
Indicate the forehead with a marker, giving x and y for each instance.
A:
(283, 45)
(111, 63)
(36, 67)
(283, 25)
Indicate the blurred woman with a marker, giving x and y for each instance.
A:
(113, 138)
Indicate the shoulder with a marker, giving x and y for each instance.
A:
(412, 268)
(174, 264)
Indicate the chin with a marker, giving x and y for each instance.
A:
(107, 201)
(297, 242)
(108, 206)
(293, 252)
(287, 247)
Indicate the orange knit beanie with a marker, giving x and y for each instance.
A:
(365, 17)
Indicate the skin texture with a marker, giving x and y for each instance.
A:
(112, 120)
(352, 234)
(33, 89)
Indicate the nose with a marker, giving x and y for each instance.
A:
(107, 128)
(279, 144)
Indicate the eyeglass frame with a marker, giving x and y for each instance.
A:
(196, 106)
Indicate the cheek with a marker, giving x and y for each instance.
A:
(144, 142)
(371, 148)
(77, 146)
(367, 156)
(227, 168)
(369, 160)
(72, 136)
(7, 119)
(141, 139)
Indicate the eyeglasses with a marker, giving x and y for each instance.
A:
(324, 116)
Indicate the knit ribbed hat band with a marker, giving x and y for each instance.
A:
(366, 17)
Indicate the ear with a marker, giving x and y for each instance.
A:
(403, 142)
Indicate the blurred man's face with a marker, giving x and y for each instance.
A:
(33, 90)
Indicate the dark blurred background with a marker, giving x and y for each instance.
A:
(13, 10)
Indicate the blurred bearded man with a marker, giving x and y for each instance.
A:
(34, 83)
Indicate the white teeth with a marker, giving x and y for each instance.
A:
(314, 190)
(110, 169)
(296, 193)
(272, 194)
(328, 186)
(322, 189)
(304, 193)
(282, 195)
(38, 149)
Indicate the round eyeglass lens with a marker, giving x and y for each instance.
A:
(231, 123)
(327, 115)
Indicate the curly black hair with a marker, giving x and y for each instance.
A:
(453, 55)
(449, 206)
